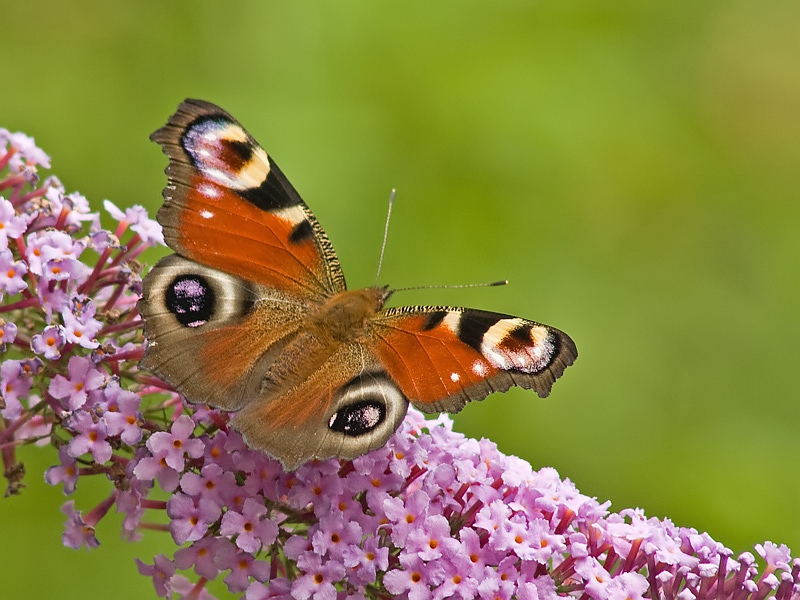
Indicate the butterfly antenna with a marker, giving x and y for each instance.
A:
(460, 285)
(385, 234)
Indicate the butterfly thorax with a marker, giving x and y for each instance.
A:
(344, 316)
(341, 320)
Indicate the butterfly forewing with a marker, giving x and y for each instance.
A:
(229, 207)
(443, 357)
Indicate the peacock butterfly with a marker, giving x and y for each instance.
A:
(251, 314)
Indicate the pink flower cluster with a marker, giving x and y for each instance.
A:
(431, 515)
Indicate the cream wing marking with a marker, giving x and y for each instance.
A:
(517, 344)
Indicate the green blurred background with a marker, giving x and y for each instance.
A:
(630, 166)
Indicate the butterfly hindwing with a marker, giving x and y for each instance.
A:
(228, 206)
(444, 357)
(344, 408)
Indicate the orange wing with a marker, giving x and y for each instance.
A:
(444, 357)
(229, 207)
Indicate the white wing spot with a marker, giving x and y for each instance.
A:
(479, 368)
(454, 377)
(221, 177)
(209, 191)
(206, 214)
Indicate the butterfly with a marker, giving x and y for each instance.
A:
(251, 314)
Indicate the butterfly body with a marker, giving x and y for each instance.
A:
(343, 319)
(252, 314)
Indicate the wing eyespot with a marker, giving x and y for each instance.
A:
(191, 299)
(358, 418)
(214, 141)
(369, 405)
